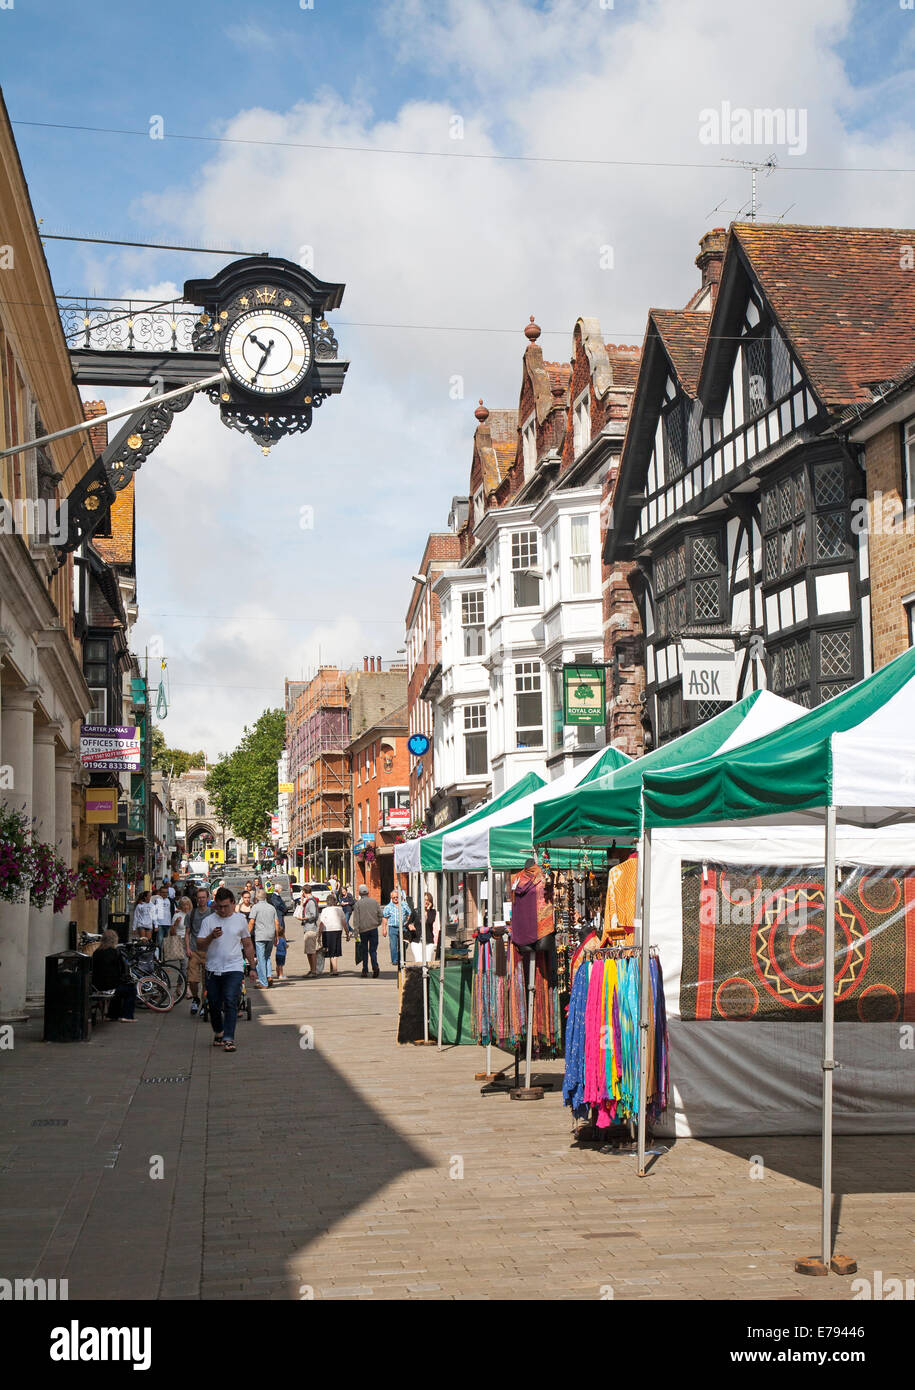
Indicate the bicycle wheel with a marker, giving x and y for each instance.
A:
(154, 994)
(177, 980)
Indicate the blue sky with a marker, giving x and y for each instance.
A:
(230, 586)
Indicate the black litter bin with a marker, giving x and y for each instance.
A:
(66, 997)
(120, 922)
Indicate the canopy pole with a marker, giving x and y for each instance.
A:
(829, 1017)
(442, 924)
(529, 1041)
(422, 929)
(490, 880)
(645, 942)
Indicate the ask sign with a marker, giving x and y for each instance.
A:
(709, 670)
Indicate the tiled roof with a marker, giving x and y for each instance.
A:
(683, 333)
(624, 362)
(560, 374)
(503, 425)
(843, 298)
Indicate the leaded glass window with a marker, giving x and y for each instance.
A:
(835, 654)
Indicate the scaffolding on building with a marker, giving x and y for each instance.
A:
(318, 736)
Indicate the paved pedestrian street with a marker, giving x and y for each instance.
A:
(148, 1164)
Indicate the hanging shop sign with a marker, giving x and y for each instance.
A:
(709, 669)
(109, 747)
(286, 788)
(275, 827)
(583, 699)
(418, 744)
(397, 818)
(101, 805)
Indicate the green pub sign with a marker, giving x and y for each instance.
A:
(583, 695)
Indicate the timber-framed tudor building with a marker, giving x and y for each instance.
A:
(737, 483)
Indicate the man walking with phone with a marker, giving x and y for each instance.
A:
(224, 947)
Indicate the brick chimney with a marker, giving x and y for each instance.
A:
(711, 258)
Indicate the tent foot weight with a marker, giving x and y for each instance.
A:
(424, 1042)
(843, 1264)
(487, 1076)
(810, 1264)
(527, 1092)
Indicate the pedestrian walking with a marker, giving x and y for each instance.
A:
(226, 946)
(173, 947)
(196, 960)
(161, 914)
(365, 921)
(333, 925)
(245, 904)
(310, 915)
(280, 950)
(429, 915)
(142, 924)
(347, 902)
(333, 884)
(264, 927)
(395, 915)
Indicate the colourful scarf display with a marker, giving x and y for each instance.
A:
(500, 998)
(602, 1041)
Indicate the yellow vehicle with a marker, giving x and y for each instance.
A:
(214, 855)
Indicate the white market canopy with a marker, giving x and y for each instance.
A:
(425, 853)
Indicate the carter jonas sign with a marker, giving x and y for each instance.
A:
(109, 747)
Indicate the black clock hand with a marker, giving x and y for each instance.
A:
(267, 351)
(257, 343)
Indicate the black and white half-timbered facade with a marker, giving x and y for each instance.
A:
(736, 481)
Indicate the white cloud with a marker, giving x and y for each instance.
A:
(457, 243)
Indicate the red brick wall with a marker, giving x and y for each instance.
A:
(366, 795)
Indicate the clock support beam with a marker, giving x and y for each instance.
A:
(89, 503)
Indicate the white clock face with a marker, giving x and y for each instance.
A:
(267, 352)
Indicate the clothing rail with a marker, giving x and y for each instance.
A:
(619, 952)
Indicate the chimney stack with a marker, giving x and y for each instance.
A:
(711, 258)
(365, 663)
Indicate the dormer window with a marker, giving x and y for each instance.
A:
(757, 372)
(478, 505)
(674, 418)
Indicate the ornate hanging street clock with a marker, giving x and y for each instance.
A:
(266, 320)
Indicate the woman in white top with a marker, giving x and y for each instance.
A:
(142, 917)
(333, 925)
(173, 945)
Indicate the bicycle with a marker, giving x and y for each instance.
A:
(177, 979)
(152, 981)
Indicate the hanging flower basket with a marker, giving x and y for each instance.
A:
(17, 857)
(96, 880)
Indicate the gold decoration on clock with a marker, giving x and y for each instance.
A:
(134, 440)
(266, 295)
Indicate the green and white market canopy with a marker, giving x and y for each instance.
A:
(610, 808)
(425, 853)
(502, 839)
(856, 753)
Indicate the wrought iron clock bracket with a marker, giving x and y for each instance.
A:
(91, 500)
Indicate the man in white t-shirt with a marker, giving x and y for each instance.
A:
(226, 948)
